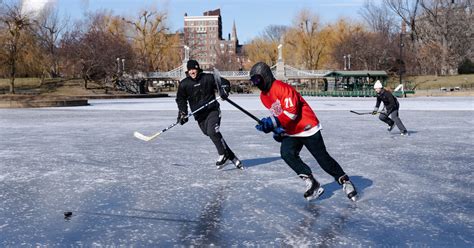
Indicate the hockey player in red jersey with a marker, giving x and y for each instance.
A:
(295, 125)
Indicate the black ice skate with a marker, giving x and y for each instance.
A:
(404, 133)
(348, 187)
(390, 127)
(238, 164)
(222, 161)
(313, 188)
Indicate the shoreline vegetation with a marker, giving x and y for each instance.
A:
(28, 88)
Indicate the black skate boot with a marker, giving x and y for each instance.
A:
(222, 161)
(348, 187)
(404, 133)
(236, 161)
(313, 188)
(390, 127)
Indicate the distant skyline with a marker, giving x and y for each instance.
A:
(251, 16)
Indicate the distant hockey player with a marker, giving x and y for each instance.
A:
(390, 108)
(199, 88)
(295, 125)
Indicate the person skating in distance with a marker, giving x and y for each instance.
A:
(295, 125)
(197, 89)
(389, 114)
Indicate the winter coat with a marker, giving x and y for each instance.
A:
(198, 92)
(389, 101)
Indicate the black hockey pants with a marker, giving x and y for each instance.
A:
(290, 150)
(210, 127)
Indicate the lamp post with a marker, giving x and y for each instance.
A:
(400, 70)
(118, 65)
(348, 61)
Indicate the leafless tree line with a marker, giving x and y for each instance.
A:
(400, 36)
(45, 45)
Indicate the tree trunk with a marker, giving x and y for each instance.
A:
(12, 76)
(85, 82)
(43, 76)
(12, 85)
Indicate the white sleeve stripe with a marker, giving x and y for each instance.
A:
(274, 121)
(290, 115)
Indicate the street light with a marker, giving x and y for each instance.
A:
(402, 32)
(345, 68)
(118, 65)
(349, 61)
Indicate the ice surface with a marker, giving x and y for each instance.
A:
(414, 191)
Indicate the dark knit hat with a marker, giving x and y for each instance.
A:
(193, 64)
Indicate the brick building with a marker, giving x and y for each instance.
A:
(203, 36)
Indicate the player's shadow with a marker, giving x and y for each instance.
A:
(259, 161)
(360, 183)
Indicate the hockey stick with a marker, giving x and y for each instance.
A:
(217, 78)
(362, 113)
(148, 138)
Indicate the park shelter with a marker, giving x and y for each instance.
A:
(355, 80)
(349, 84)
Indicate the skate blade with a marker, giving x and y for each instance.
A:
(220, 167)
(238, 164)
(316, 194)
(354, 198)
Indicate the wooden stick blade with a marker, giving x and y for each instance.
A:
(142, 137)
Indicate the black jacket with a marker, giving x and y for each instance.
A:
(198, 92)
(389, 101)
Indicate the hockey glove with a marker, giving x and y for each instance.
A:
(278, 134)
(375, 111)
(224, 88)
(224, 94)
(182, 117)
(268, 124)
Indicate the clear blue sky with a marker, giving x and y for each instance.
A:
(251, 16)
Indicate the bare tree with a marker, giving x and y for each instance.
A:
(49, 28)
(92, 48)
(226, 59)
(306, 41)
(152, 42)
(448, 24)
(379, 18)
(260, 50)
(407, 10)
(438, 27)
(274, 33)
(15, 26)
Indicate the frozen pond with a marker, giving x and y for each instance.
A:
(415, 191)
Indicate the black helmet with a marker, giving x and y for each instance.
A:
(261, 76)
(193, 64)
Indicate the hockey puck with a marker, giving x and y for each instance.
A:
(67, 214)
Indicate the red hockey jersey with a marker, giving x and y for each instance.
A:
(293, 112)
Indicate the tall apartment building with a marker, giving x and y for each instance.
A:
(203, 36)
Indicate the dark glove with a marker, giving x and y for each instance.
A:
(182, 117)
(224, 94)
(278, 134)
(225, 89)
(268, 124)
(375, 111)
